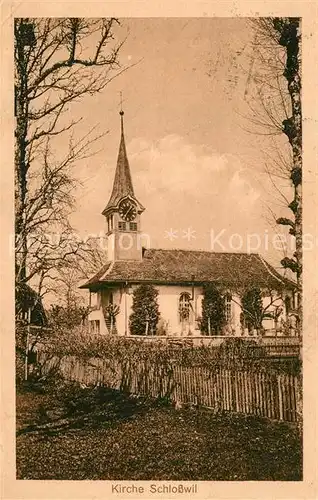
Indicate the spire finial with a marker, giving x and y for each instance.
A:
(121, 114)
(121, 104)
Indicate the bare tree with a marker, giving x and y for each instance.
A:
(93, 257)
(89, 259)
(57, 62)
(277, 75)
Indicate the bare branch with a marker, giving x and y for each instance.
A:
(57, 64)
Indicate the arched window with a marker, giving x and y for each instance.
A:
(184, 307)
(228, 307)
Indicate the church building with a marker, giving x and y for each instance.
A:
(179, 276)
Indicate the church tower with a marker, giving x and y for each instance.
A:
(123, 211)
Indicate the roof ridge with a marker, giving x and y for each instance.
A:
(202, 251)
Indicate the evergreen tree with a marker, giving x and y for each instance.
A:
(144, 318)
(213, 311)
(252, 309)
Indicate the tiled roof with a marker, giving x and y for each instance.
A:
(185, 266)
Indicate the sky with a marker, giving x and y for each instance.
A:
(198, 167)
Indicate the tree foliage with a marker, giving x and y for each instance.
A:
(145, 316)
(213, 310)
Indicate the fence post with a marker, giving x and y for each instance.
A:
(280, 398)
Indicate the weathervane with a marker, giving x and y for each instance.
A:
(121, 104)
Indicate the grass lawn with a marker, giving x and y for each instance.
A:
(101, 434)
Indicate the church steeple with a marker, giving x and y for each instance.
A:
(122, 185)
(123, 210)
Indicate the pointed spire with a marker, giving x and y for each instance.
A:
(122, 182)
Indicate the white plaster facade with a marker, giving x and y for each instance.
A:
(168, 300)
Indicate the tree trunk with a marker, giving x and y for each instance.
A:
(26, 367)
(289, 30)
(20, 157)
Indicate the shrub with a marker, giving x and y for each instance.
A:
(241, 352)
(67, 317)
(128, 356)
(145, 316)
(213, 311)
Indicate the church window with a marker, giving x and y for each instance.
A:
(122, 226)
(228, 307)
(133, 226)
(184, 307)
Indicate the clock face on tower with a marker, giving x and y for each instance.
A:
(127, 210)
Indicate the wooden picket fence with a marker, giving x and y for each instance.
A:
(250, 392)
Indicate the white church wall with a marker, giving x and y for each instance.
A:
(97, 315)
(168, 299)
(120, 298)
(236, 314)
(100, 300)
(128, 300)
(123, 298)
